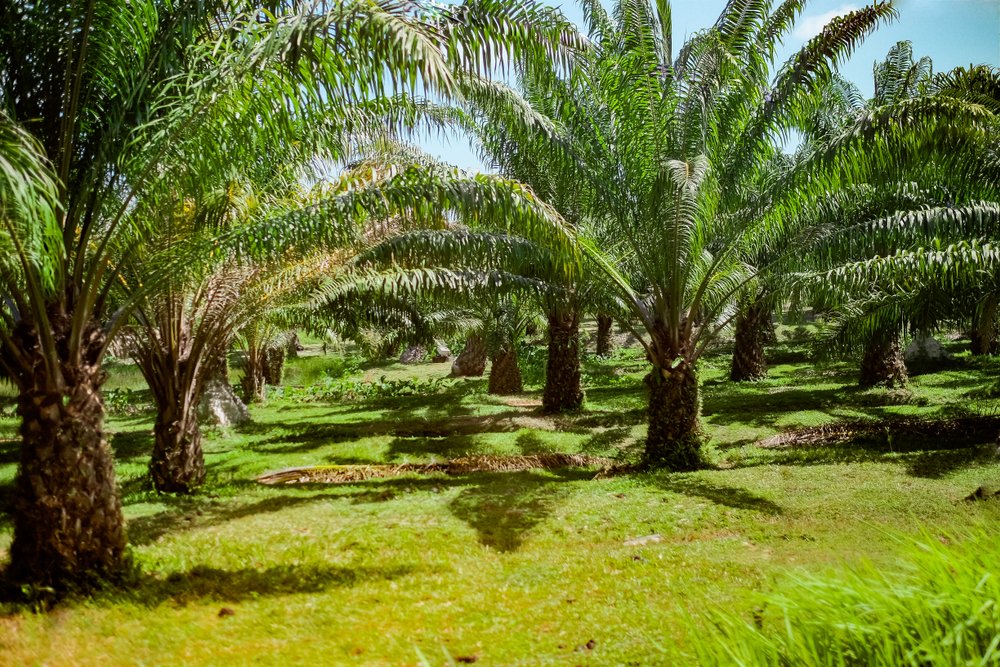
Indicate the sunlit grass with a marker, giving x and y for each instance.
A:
(518, 568)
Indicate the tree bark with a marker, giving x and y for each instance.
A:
(505, 374)
(471, 361)
(253, 382)
(219, 404)
(414, 354)
(605, 329)
(177, 382)
(68, 524)
(178, 464)
(273, 365)
(984, 328)
(294, 346)
(562, 372)
(882, 364)
(752, 325)
(674, 437)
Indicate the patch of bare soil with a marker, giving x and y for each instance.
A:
(459, 466)
(960, 429)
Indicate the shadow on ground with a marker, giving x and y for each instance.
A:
(208, 583)
(503, 508)
(720, 494)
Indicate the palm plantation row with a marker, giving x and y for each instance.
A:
(157, 185)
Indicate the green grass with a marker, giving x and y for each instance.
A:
(512, 568)
(939, 608)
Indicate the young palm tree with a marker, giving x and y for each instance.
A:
(483, 275)
(102, 102)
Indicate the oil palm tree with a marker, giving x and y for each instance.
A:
(672, 144)
(943, 194)
(500, 120)
(101, 103)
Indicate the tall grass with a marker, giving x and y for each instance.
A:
(940, 606)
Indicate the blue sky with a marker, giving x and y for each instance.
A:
(951, 32)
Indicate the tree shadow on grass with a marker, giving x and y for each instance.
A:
(503, 508)
(757, 406)
(720, 494)
(604, 419)
(186, 513)
(615, 440)
(449, 447)
(209, 583)
(934, 464)
(195, 512)
(132, 444)
(306, 436)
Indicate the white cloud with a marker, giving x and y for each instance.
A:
(808, 27)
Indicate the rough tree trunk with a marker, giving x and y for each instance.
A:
(294, 346)
(769, 332)
(414, 354)
(605, 330)
(471, 361)
(984, 328)
(253, 383)
(505, 375)
(219, 404)
(674, 437)
(752, 326)
(882, 364)
(273, 365)
(178, 464)
(68, 524)
(562, 372)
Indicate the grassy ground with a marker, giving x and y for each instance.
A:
(527, 568)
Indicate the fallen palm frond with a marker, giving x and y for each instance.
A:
(959, 429)
(459, 466)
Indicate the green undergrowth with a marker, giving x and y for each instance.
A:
(524, 568)
(939, 606)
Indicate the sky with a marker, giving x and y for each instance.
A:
(951, 32)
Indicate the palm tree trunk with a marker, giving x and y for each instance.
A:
(882, 364)
(674, 437)
(178, 464)
(68, 524)
(984, 328)
(273, 365)
(752, 325)
(471, 361)
(253, 381)
(505, 375)
(219, 404)
(562, 372)
(605, 343)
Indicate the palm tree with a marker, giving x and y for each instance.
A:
(498, 117)
(102, 102)
(671, 145)
(941, 194)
